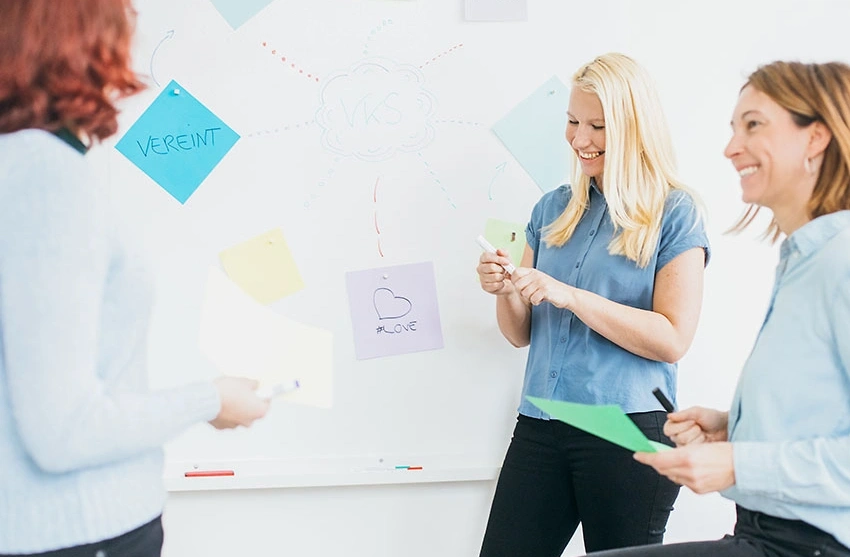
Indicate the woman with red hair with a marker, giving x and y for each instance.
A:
(80, 432)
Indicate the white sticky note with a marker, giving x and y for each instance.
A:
(244, 338)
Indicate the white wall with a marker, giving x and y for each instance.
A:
(699, 55)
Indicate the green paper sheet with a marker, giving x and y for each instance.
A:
(605, 421)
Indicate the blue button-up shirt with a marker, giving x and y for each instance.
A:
(567, 360)
(790, 418)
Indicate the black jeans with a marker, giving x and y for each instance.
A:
(144, 541)
(556, 476)
(756, 535)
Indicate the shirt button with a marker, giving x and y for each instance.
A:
(592, 232)
(577, 265)
(100, 553)
(563, 339)
(554, 374)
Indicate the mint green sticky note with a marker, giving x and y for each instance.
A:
(533, 132)
(605, 421)
(237, 12)
(509, 236)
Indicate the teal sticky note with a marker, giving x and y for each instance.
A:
(237, 12)
(534, 132)
(605, 421)
(177, 141)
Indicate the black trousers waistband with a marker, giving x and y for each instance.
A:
(794, 531)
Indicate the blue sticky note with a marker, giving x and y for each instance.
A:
(237, 12)
(534, 133)
(177, 141)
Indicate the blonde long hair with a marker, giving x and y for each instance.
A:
(640, 168)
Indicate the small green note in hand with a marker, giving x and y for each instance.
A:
(605, 421)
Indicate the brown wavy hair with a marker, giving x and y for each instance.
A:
(63, 63)
(812, 93)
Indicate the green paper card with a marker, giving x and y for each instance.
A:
(605, 421)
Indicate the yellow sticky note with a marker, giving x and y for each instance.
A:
(263, 267)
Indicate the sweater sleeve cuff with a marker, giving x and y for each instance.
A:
(202, 400)
(755, 467)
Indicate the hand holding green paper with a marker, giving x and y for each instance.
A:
(605, 421)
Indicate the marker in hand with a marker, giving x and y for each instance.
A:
(665, 402)
(488, 247)
(272, 391)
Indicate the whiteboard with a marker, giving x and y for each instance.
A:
(433, 189)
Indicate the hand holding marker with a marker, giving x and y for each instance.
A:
(272, 391)
(665, 402)
(488, 247)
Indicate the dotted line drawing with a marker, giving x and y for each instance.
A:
(459, 122)
(373, 33)
(296, 68)
(375, 201)
(437, 57)
(322, 183)
(283, 128)
(437, 180)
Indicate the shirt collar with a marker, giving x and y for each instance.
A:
(595, 187)
(811, 236)
(65, 135)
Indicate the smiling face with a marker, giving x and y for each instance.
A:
(586, 132)
(769, 150)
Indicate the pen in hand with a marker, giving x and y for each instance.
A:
(269, 393)
(489, 248)
(665, 402)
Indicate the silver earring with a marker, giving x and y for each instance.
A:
(807, 165)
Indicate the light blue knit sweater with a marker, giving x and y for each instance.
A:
(80, 432)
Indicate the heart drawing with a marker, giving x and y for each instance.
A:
(389, 306)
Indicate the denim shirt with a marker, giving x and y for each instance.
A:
(567, 360)
(790, 419)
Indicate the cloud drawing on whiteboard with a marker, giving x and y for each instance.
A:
(389, 306)
(376, 109)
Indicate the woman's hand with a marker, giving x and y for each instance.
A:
(240, 405)
(696, 425)
(537, 287)
(704, 468)
(492, 275)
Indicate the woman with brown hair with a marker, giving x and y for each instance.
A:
(782, 452)
(80, 432)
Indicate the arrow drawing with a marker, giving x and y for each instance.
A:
(499, 170)
(169, 35)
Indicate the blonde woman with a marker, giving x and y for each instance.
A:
(607, 295)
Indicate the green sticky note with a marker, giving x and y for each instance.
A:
(509, 236)
(605, 421)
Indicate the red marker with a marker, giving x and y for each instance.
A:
(414, 468)
(208, 473)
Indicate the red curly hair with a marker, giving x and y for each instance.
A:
(64, 63)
